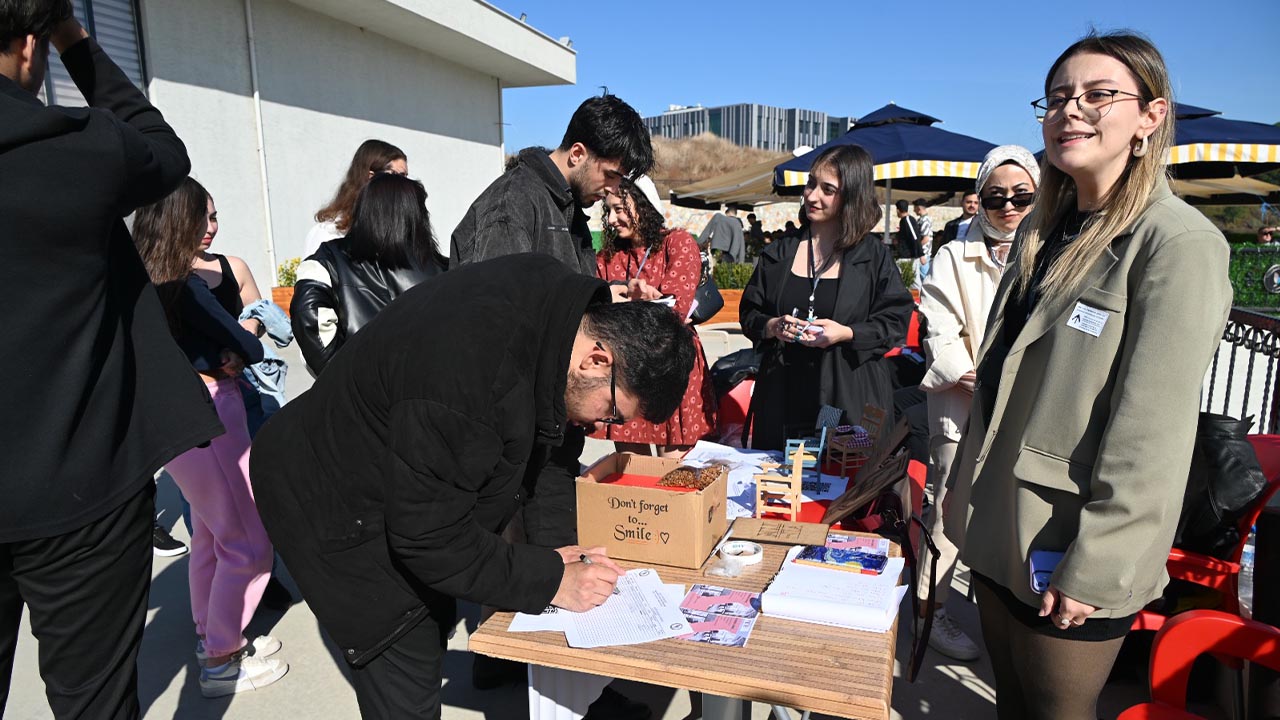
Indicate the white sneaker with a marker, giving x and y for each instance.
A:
(262, 646)
(246, 673)
(948, 639)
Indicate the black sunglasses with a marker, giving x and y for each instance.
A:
(616, 417)
(1019, 200)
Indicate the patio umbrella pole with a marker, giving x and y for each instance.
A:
(888, 203)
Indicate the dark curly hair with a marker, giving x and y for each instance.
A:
(648, 222)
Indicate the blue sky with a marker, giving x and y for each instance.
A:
(974, 65)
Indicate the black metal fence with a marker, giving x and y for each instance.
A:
(1242, 378)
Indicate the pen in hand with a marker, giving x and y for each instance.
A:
(584, 559)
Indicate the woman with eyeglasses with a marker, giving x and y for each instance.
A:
(335, 218)
(1071, 474)
(824, 306)
(956, 299)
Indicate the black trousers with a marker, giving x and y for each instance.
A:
(87, 594)
(403, 681)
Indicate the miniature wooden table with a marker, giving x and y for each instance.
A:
(840, 672)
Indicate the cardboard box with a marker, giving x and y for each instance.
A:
(649, 524)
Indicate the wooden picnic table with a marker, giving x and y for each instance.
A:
(832, 670)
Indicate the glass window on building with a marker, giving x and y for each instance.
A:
(115, 26)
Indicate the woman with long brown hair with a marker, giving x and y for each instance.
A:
(389, 249)
(824, 306)
(334, 219)
(660, 263)
(1071, 473)
(230, 552)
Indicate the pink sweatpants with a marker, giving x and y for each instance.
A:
(230, 553)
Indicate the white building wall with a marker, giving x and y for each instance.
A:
(326, 86)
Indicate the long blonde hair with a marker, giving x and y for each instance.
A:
(1125, 201)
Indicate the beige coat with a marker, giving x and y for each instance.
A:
(1090, 437)
(956, 300)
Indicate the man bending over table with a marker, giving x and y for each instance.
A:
(385, 486)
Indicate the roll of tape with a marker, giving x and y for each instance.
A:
(743, 552)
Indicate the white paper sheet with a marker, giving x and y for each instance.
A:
(744, 465)
(550, 619)
(674, 591)
(641, 610)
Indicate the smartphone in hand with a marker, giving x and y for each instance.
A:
(1043, 563)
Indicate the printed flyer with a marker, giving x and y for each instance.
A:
(720, 616)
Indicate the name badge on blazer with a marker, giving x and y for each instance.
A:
(1087, 319)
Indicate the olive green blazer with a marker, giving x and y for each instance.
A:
(1090, 438)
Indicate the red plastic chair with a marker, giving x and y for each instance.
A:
(913, 337)
(1222, 575)
(1186, 637)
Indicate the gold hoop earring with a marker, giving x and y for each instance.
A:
(1142, 147)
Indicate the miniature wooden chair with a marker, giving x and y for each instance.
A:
(818, 445)
(780, 494)
(847, 454)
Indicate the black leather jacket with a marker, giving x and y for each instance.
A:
(356, 292)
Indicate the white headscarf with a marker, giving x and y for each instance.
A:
(994, 159)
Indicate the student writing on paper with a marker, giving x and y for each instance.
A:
(385, 486)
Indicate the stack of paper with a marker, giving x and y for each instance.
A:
(720, 616)
(642, 609)
(835, 597)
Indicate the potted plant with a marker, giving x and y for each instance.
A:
(730, 278)
(286, 276)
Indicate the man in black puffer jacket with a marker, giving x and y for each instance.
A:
(536, 206)
(384, 486)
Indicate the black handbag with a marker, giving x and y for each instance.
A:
(1225, 482)
(709, 300)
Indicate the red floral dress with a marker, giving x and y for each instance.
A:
(674, 268)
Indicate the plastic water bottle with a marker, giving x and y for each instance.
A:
(1246, 576)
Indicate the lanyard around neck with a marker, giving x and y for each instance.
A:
(814, 278)
(643, 260)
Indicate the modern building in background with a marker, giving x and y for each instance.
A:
(272, 97)
(751, 125)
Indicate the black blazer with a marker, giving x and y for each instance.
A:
(97, 394)
(870, 299)
(949, 232)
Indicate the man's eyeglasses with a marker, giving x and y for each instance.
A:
(1093, 104)
(616, 417)
(1019, 200)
